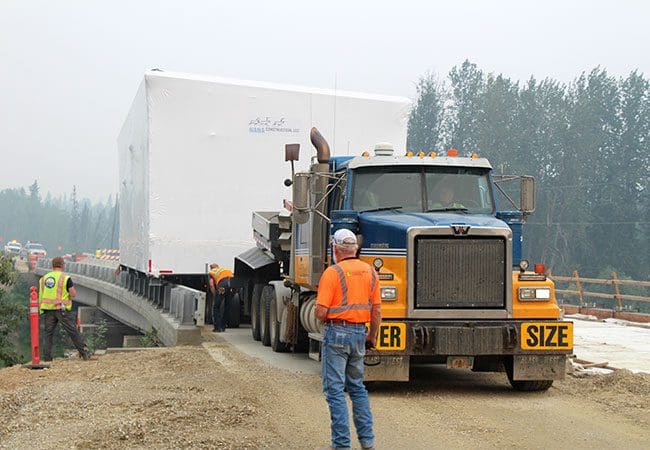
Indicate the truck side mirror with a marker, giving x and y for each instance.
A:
(300, 193)
(291, 152)
(527, 194)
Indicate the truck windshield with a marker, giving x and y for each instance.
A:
(422, 189)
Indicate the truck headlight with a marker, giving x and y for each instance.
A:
(388, 293)
(534, 293)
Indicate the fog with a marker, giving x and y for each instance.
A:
(69, 69)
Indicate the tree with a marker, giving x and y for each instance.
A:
(12, 314)
(586, 142)
(74, 221)
(426, 118)
(34, 217)
(468, 85)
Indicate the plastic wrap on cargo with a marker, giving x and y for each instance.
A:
(198, 154)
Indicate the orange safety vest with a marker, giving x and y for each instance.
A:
(219, 274)
(52, 292)
(348, 290)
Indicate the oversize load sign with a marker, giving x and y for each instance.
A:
(547, 336)
(392, 336)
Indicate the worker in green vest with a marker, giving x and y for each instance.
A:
(55, 294)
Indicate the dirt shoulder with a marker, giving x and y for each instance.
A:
(215, 397)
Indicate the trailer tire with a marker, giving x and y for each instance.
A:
(234, 310)
(265, 309)
(531, 385)
(255, 311)
(274, 327)
(526, 385)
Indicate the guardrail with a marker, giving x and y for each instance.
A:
(615, 282)
(184, 304)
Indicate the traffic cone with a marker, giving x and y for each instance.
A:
(33, 325)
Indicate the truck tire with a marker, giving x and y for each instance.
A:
(265, 309)
(526, 385)
(275, 327)
(531, 385)
(234, 311)
(255, 311)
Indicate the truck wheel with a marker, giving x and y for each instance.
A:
(275, 327)
(265, 309)
(526, 385)
(234, 310)
(255, 311)
(531, 385)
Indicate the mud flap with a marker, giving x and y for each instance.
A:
(386, 368)
(538, 367)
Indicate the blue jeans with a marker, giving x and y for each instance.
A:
(218, 309)
(343, 352)
(221, 300)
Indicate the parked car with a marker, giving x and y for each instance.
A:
(13, 248)
(33, 249)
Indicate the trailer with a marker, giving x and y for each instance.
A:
(198, 153)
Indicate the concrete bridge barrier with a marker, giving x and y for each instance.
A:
(142, 303)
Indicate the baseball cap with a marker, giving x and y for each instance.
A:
(344, 237)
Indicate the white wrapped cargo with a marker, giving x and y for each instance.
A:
(198, 154)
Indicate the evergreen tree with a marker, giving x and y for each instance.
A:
(425, 121)
(587, 144)
(468, 85)
(74, 222)
(12, 314)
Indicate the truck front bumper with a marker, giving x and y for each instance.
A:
(528, 350)
(474, 338)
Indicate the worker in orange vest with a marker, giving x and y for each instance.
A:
(55, 293)
(222, 295)
(348, 298)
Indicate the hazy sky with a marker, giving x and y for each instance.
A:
(69, 69)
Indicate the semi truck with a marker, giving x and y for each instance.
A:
(198, 153)
(454, 288)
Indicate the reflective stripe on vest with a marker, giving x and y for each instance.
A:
(51, 298)
(344, 289)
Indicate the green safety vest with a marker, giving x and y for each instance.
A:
(52, 292)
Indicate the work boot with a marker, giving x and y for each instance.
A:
(87, 356)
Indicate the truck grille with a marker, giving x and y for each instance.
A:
(452, 273)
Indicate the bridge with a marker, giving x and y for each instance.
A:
(143, 304)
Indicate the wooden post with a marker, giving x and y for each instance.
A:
(575, 275)
(617, 290)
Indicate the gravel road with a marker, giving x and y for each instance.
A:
(214, 396)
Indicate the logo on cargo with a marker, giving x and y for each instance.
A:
(267, 124)
(460, 229)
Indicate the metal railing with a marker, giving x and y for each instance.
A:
(184, 304)
(615, 282)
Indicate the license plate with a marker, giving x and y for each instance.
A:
(460, 362)
(392, 336)
(547, 336)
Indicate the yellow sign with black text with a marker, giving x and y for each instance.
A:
(547, 335)
(392, 336)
